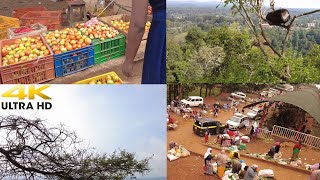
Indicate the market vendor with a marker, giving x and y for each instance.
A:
(271, 152)
(235, 157)
(296, 151)
(315, 175)
(251, 172)
(236, 140)
(315, 167)
(173, 145)
(236, 167)
(277, 147)
(207, 162)
(222, 158)
(171, 120)
(154, 66)
(243, 172)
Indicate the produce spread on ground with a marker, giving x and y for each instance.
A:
(69, 49)
(192, 166)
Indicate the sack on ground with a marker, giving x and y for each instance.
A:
(171, 157)
(185, 152)
(172, 151)
(245, 139)
(266, 173)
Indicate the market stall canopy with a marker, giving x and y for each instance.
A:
(307, 99)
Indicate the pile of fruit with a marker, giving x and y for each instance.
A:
(23, 49)
(66, 40)
(125, 25)
(97, 31)
(108, 79)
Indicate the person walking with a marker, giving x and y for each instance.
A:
(251, 132)
(206, 135)
(296, 151)
(207, 162)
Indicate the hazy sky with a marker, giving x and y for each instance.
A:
(129, 117)
(279, 3)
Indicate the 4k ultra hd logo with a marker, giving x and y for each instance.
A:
(26, 92)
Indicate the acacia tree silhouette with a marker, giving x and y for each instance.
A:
(32, 149)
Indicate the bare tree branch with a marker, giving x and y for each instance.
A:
(31, 149)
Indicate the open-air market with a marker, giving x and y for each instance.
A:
(75, 41)
(243, 131)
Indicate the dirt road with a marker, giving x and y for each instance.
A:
(192, 166)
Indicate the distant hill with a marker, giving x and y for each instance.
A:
(193, 4)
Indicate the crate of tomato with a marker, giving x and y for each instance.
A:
(26, 60)
(107, 41)
(5, 24)
(122, 22)
(19, 12)
(73, 52)
(108, 78)
(51, 19)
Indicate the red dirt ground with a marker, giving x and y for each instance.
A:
(190, 167)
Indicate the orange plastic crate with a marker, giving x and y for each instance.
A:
(51, 19)
(19, 12)
(29, 72)
(5, 24)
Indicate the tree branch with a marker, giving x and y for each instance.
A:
(255, 32)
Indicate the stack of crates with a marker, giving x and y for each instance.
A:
(19, 12)
(51, 19)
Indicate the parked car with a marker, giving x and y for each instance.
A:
(274, 91)
(253, 112)
(202, 124)
(239, 95)
(270, 93)
(193, 101)
(284, 87)
(264, 93)
(236, 121)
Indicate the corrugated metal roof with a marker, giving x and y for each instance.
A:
(307, 99)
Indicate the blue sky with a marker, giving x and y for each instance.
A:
(279, 3)
(129, 117)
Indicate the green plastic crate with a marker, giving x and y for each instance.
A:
(109, 49)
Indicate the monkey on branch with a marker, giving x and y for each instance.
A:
(277, 17)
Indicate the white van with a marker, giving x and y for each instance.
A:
(236, 121)
(193, 101)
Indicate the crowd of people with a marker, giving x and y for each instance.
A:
(221, 163)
